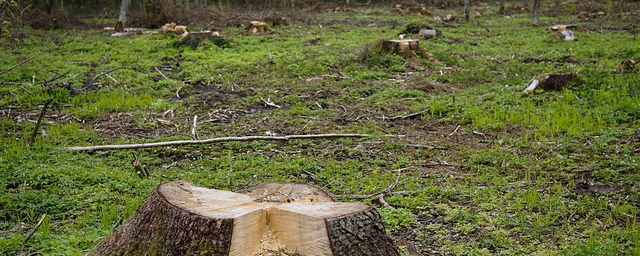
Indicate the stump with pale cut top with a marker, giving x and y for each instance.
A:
(409, 49)
(267, 219)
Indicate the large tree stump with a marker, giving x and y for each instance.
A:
(279, 219)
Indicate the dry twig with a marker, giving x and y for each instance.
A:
(27, 60)
(178, 92)
(423, 146)
(165, 77)
(34, 229)
(383, 202)
(269, 103)
(412, 115)
(35, 130)
(97, 76)
(454, 131)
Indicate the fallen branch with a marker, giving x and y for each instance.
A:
(178, 92)
(56, 77)
(383, 202)
(97, 76)
(412, 115)
(35, 130)
(380, 194)
(216, 140)
(424, 146)
(34, 229)
(454, 131)
(402, 192)
(27, 60)
(165, 77)
(269, 103)
(335, 69)
(112, 79)
(140, 170)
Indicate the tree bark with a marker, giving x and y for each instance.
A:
(122, 19)
(405, 47)
(466, 10)
(279, 219)
(536, 12)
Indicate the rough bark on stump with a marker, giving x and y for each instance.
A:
(195, 38)
(257, 27)
(404, 47)
(291, 219)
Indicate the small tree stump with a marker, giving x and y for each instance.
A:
(287, 219)
(404, 47)
(275, 21)
(257, 27)
(195, 38)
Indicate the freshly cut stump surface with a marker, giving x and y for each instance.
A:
(266, 219)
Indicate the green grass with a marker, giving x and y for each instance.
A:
(552, 173)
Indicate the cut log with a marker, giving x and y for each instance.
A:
(173, 28)
(279, 219)
(553, 81)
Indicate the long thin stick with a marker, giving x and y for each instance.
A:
(35, 130)
(216, 140)
(27, 60)
(412, 115)
(165, 77)
(34, 229)
(454, 131)
(99, 75)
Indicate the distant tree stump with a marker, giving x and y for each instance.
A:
(286, 219)
(195, 38)
(404, 47)
(275, 21)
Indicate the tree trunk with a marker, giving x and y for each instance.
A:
(466, 10)
(501, 11)
(536, 13)
(279, 219)
(122, 19)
